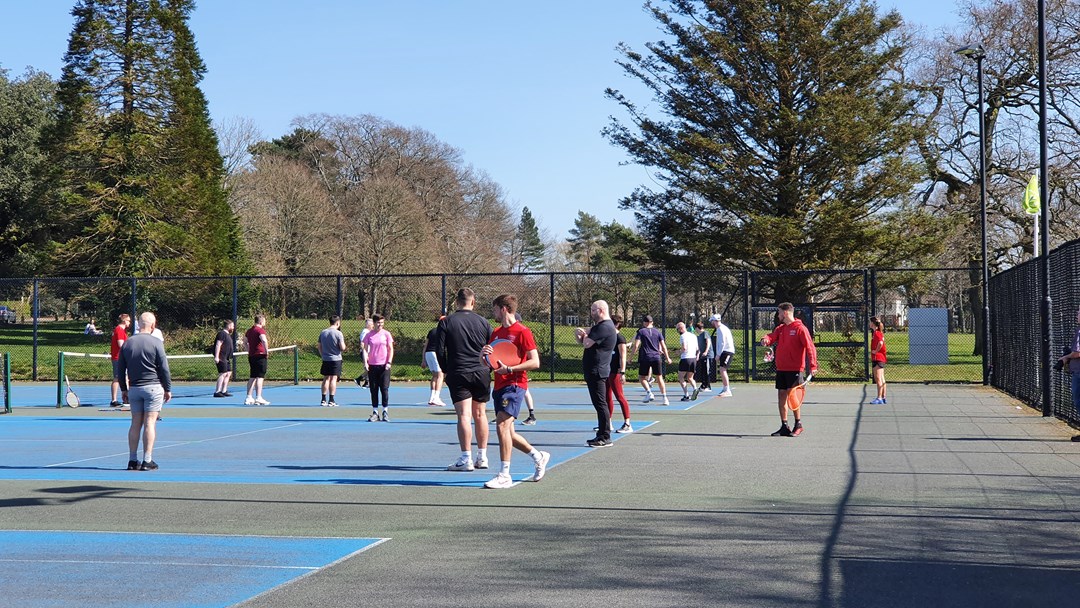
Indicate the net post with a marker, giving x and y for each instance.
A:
(59, 379)
(7, 383)
(296, 365)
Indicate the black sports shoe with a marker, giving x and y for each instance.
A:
(531, 420)
(218, 395)
(115, 404)
(783, 431)
(133, 465)
(148, 465)
(598, 443)
(226, 394)
(1076, 438)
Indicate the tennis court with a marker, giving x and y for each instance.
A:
(948, 495)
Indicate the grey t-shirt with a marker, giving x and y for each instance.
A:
(143, 359)
(331, 340)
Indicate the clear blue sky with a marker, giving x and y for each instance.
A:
(516, 86)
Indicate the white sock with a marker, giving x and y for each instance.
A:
(481, 453)
(505, 468)
(466, 455)
(535, 453)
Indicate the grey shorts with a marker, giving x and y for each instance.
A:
(148, 398)
(432, 361)
(116, 369)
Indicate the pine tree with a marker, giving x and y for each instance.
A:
(136, 165)
(530, 247)
(783, 139)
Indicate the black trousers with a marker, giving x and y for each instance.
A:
(704, 373)
(379, 382)
(598, 395)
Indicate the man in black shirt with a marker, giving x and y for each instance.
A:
(223, 357)
(599, 342)
(457, 343)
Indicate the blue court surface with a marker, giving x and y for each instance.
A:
(282, 451)
(554, 397)
(107, 569)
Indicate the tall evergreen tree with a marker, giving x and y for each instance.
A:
(530, 249)
(27, 109)
(136, 162)
(585, 241)
(783, 140)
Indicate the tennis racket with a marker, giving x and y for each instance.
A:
(795, 396)
(70, 398)
(503, 352)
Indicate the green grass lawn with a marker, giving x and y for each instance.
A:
(54, 336)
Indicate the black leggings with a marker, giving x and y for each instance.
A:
(379, 382)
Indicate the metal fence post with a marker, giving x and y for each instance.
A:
(868, 307)
(340, 300)
(551, 319)
(134, 301)
(442, 305)
(35, 310)
(747, 329)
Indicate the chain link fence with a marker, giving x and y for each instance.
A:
(50, 314)
(1016, 331)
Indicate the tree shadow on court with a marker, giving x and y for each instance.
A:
(62, 495)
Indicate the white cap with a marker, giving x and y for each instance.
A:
(715, 317)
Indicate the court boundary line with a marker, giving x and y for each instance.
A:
(296, 580)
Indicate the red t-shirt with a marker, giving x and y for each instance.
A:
(877, 340)
(119, 334)
(522, 337)
(255, 346)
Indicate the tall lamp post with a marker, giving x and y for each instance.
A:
(976, 52)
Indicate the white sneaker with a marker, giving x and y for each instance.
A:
(463, 464)
(648, 398)
(706, 390)
(374, 417)
(625, 428)
(249, 401)
(726, 393)
(666, 402)
(261, 401)
(439, 402)
(541, 467)
(481, 463)
(322, 403)
(499, 482)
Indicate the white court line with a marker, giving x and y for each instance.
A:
(146, 563)
(183, 443)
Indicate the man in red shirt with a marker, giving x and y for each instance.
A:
(119, 336)
(258, 349)
(511, 384)
(794, 347)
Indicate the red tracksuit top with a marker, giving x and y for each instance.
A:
(793, 344)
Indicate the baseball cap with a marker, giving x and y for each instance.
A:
(646, 319)
(715, 317)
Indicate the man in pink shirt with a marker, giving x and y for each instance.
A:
(378, 348)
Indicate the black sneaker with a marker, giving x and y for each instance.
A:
(226, 394)
(219, 395)
(133, 465)
(783, 431)
(598, 443)
(531, 420)
(115, 404)
(385, 416)
(148, 465)
(1076, 438)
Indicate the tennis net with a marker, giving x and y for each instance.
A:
(90, 374)
(5, 382)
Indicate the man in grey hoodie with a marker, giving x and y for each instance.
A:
(142, 363)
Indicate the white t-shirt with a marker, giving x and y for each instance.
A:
(724, 339)
(689, 345)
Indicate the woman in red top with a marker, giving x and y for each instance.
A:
(877, 358)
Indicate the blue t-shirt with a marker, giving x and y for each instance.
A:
(650, 343)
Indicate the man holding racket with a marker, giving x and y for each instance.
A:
(457, 344)
(142, 361)
(511, 384)
(793, 346)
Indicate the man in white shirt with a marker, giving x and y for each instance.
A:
(688, 352)
(725, 351)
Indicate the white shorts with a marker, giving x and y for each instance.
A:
(432, 361)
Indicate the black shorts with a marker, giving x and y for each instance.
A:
(469, 385)
(258, 367)
(225, 365)
(330, 368)
(878, 364)
(687, 365)
(724, 359)
(645, 367)
(786, 380)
